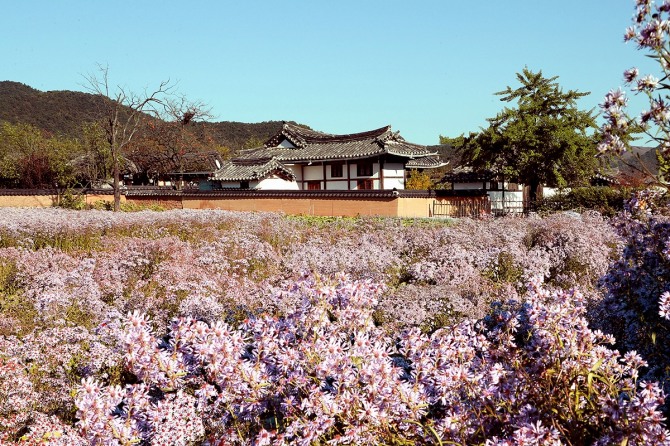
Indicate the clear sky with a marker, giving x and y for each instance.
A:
(428, 68)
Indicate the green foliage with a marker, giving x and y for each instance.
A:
(66, 240)
(95, 163)
(13, 306)
(445, 318)
(102, 205)
(455, 142)
(77, 315)
(543, 140)
(606, 200)
(134, 207)
(9, 277)
(29, 159)
(418, 181)
(253, 142)
(106, 205)
(321, 222)
(504, 270)
(71, 200)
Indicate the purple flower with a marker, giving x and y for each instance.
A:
(630, 75)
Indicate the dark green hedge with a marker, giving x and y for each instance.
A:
(606, 200)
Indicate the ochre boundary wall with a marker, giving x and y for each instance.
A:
(300, 206)
(43, 198)
(385, 203)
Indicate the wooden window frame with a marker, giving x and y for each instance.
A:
(313, 185)
(337, 170)
(364, 169)
(365, 184)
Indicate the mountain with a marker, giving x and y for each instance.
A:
(63, 112)
(57, 112)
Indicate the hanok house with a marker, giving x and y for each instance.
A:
(297, 158)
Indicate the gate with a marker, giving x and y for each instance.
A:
(459, 207)
(476, 207)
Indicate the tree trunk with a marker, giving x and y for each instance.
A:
(533, 187)
(117, 187)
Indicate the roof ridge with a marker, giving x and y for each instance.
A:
(308, 135)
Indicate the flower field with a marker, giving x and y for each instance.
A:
(212, 327)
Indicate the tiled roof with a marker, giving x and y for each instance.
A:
(311, 145)
(199, 162)
(427, 162)
(251, 169)
(316, 194)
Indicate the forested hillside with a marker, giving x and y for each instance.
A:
(63, 112)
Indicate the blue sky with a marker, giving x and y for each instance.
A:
(428, 68)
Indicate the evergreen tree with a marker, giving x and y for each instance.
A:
(544, 140)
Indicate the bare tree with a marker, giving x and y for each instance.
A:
(124, 111)
(170, 144)
(179, 113)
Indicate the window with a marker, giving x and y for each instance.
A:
(244, 185)
(336, 170)
(364, 169)
(364, 184)
(314, 185)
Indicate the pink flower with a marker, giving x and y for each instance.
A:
(664, 305)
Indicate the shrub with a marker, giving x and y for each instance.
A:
(607, 200)
(71, 200)
(533, 374)
(635, 283)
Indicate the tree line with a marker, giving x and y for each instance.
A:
(33, 158)
(146, 135)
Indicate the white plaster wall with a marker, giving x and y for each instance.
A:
(513, 200)
(394, 170)
(230, 184)
(296, 171)
(390, 183)
(276, 183)
(470, 186)
(313, 173)
(287, 144)
(336, 185)
(551, 191)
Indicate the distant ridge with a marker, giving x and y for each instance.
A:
(63, 112)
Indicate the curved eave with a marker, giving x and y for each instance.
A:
(426, 166)
(427, 162)
(330, 158)
(251, 172)
(257, 176)
(407, 150)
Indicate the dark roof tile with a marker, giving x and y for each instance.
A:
(248, 169)
(311, 145)
(427, 162)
